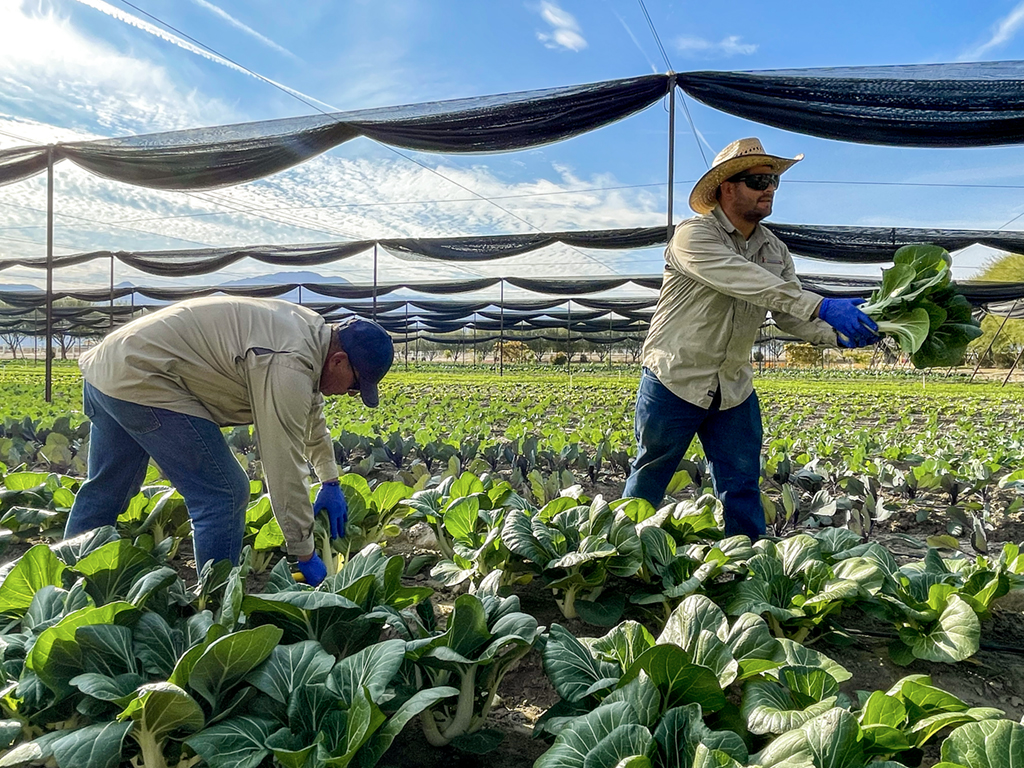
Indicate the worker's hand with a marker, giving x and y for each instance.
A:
(854, 328)
(331, 499)
(313, 570)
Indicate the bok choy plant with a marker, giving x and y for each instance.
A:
(918, 304)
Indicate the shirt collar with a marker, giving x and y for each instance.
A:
(757, 237)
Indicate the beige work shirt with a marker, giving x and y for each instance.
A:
(234, 361)
(717, 290)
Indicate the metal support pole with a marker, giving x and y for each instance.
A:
(300, 295)
(1010, 372)
(111, 291)
(992, 343)
(568, 337)
(49, 275)
(611, 346)
(375, 282)
(501, 330)
(407, 335)
(671, 150)
(474, 339)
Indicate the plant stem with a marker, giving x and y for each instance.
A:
(152, 751)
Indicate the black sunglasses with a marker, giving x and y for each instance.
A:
(355, 380)
(758, 182)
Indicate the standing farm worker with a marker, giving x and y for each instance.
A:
(723, 273)
(162, 386)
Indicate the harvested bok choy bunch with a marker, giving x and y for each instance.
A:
(918, 304)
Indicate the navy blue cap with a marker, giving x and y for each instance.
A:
(370, 351)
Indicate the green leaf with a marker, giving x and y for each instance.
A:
(95, 746)
(107, 688)
(623, 644)
(881, 709)
(236, 743)
(156, 645)
(160, 709)
(752, 645)
(624, 742)
(679, 680)
(57, 656)
(830, 740)
(769, 707)
(289, 668)
(36, 569)
(112, 570)
(36, 752)
(227, 660)
(150, 583)
(290, 750)
(106, 649)
(460, 518)
(909, 328)
(956, 636)
(988, 744)
(603, 612)
(691, 616)
(797, 655)
(572, 668)
(378, 744)
(582, 734)
(371, 669)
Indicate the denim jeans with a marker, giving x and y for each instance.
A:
(665, 426)
(191, 452)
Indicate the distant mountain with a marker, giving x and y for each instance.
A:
(287, 277)
(18, 287)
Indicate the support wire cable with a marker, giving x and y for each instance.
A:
(664, 55)
(308, 103)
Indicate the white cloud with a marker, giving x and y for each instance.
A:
(222, 14)
(58, 83)
(330, 198)
(145, 26)
(700, 48)
(565, 30)
(52, 72)
(1004, 31)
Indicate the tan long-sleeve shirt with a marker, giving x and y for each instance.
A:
(717, 290)
(234, 361)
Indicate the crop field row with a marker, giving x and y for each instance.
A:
(494, 594)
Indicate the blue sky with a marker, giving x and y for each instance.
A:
(74, 69)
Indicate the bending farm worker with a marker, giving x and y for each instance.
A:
(723, 272)
(162, 386)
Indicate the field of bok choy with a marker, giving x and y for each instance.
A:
(495, 599)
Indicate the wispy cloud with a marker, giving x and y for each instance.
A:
(169, 37)
(1003, 31)
(54, 74)
(224, 15)
(565, 30)
(636, 42)
(698, 47)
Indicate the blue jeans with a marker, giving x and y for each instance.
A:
(665, 426)
(191, 452)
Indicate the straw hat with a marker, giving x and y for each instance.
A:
(736, 158)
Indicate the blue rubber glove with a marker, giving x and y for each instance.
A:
(331, 498)
(313, 570)
(855, 329)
